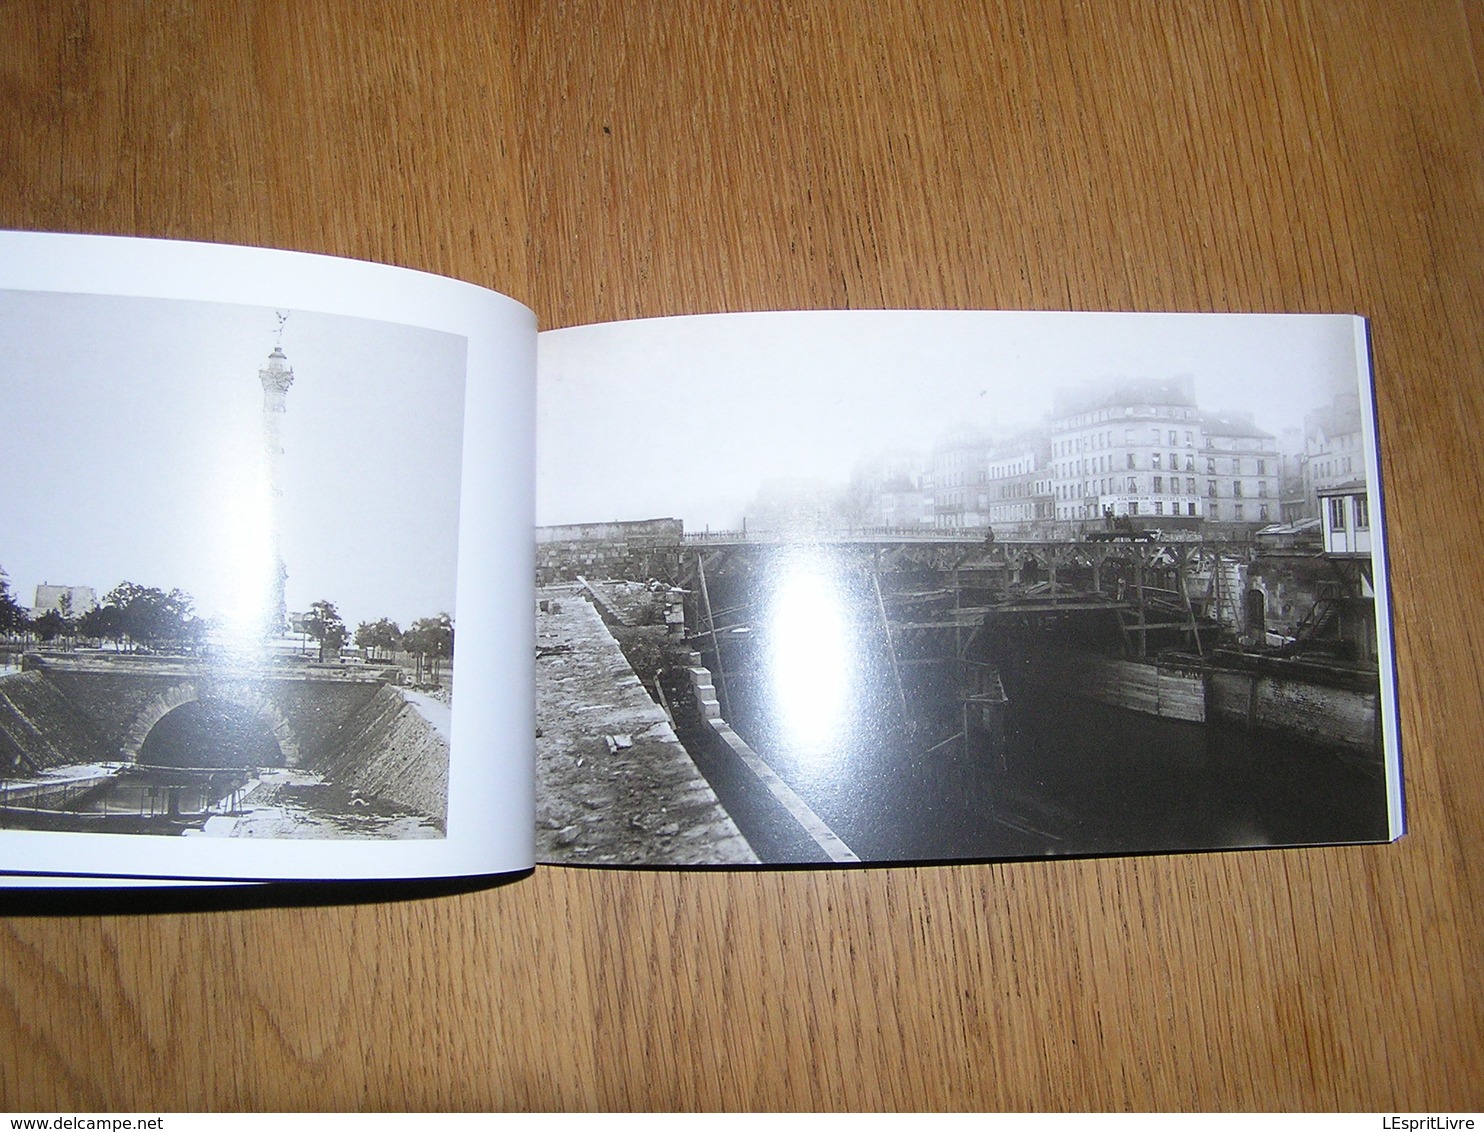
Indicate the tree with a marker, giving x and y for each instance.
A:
(429, 640)
(49, 626)
(326, 627)
(379, 638)
(69, 619)
(13, 618)
(152, 617)
(103, 623)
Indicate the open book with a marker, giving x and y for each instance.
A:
(817, 587)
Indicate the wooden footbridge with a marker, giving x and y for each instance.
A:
(933, 600)
(945, 582)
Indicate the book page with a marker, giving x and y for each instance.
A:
(838, 587)
(265, 608)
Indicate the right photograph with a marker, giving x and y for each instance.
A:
(823, 588)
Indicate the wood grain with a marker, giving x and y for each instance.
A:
(609, 160)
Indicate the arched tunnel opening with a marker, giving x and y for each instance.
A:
(211, 733)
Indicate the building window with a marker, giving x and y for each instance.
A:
(1131, 462)
(1159, 508)
(1236, 489)
(1337, 512)
(1159, 484)
(1189, 463)
(1154, 460)
(1190, 509)
(1262, 512)
(1190, 485)
(1210, 465)
(1237, 512)
(1174, 439)
(1133, 507)
(1133, 483)
(1362, 513)
(1262, 467)
(1262, 487)
(1211, 488)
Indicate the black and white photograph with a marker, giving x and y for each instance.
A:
(837, 587)
(228, 558)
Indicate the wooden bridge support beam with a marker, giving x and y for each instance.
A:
(891, 647)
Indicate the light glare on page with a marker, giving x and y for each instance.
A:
(809, 655)
(246, 532)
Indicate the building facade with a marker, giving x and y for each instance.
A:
(1018, 476)
(1243, 471)
(69, 601)
(1334, 449)
(1345, 516)
(1138, 448)
(1132, 450)
(889, 490)
(960, 479)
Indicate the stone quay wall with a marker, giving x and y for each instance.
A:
(1333, 716)
(41, 728)
(388, 749)
(558, 562)
(640, 550)
(1330, 711)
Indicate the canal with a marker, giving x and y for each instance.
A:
(211, 801)
(1072, 777)
(1057, 774)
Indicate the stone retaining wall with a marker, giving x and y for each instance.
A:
(388, 749)
(41, 728)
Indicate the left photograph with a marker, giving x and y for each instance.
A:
(228, 565)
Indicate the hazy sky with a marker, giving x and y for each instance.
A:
(133, 451)
(688, 417)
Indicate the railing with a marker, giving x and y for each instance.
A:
(843, 534)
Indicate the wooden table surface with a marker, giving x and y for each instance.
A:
(610, 160)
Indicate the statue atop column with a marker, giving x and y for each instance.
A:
(276, 377)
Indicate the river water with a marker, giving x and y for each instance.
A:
(1069, 776)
